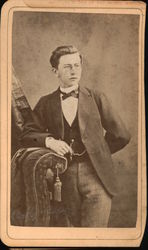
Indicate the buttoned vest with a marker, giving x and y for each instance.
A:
(72, 135)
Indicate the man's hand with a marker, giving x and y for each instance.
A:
(60, 147)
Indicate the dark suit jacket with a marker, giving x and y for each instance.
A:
(94, 113)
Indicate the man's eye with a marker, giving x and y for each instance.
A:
(77, 65)
(66, 67)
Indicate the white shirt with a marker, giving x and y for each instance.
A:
(69, 105)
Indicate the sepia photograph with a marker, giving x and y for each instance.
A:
(75, 109)
(69, 66)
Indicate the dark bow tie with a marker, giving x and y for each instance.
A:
(73, 93)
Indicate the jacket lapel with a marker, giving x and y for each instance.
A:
(84, 107)
(57, 114)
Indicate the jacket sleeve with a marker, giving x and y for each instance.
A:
(116, 135)
(35, 129)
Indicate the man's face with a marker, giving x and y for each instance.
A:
(69, 70)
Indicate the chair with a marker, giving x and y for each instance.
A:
(36, 188)
(35, 174)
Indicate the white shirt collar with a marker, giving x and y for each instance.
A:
(69, 89)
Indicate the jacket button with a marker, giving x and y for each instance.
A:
(85, 137)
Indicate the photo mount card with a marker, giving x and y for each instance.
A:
(107, 38)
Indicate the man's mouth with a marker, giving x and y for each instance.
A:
(73, 78)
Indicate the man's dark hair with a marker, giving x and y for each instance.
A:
(61, 51)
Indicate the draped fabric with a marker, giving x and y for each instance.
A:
(20, 111)
(20, 105)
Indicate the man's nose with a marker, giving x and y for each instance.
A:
(72, 70)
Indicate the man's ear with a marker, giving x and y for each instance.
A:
(55, 71)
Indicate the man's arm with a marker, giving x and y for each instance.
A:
(117, 135)
(36, 134)
(35, 129)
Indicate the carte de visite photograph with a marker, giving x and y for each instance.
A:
(76, 145)
(85, 111)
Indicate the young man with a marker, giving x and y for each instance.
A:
(71, 122)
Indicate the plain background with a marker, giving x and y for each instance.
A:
(109, 46)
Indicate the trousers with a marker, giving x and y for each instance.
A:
(84, 197)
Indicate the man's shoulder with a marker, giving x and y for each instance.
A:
(92, 91)
(46, 99)
(49, 95)
(99, 97)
